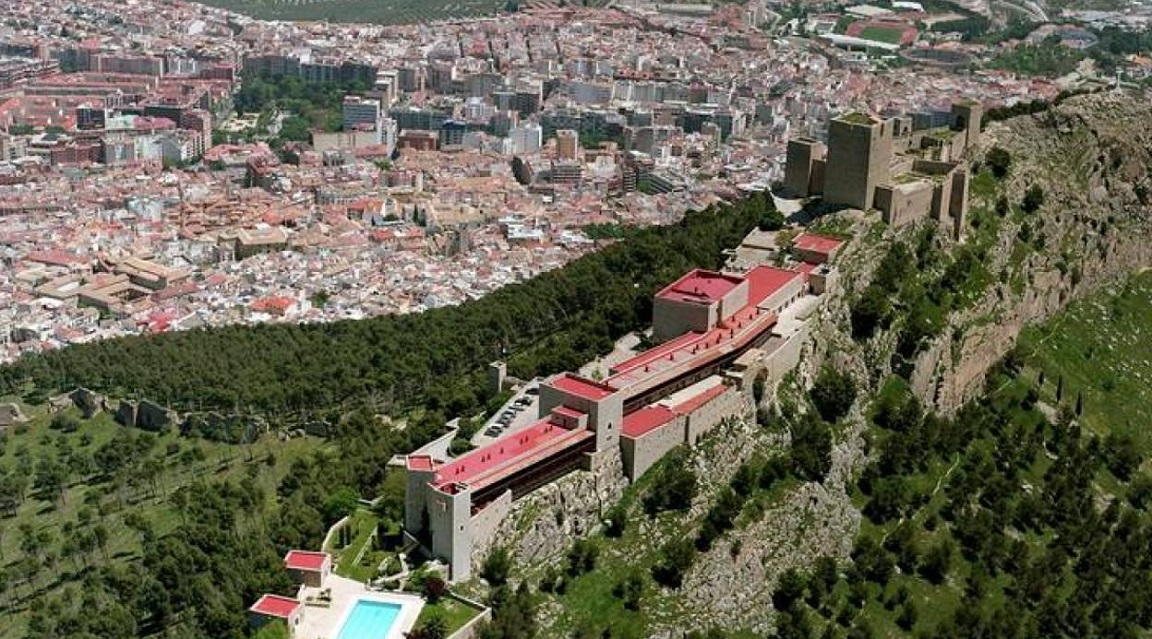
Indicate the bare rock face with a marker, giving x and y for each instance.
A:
(542, 525)
(731, 585)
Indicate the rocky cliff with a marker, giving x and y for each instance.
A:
(1092, 156)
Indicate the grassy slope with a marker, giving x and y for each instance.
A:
(1102, 347)
(220, 461)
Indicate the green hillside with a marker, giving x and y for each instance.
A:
(1102, 350)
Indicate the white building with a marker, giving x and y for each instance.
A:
(526, 138)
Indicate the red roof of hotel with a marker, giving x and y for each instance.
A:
(700, 286)
(818, 243)
(763, 281)
(657, 352)
(581, 387)
(646, 419)
(276, 606)
(305, 560)
(508, 454)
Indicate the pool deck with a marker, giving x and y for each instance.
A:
(325, 623)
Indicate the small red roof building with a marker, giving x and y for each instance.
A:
(811, 247)
(306, 560)
(276, 606)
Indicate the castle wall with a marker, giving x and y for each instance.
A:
(643, 452)
(958, 203)
(416, 498)
(819, 170)
(907, 202)
(706, 417)
(798, 167)
(782, 353)
(450, 519)
(858, 158)
(485, 523)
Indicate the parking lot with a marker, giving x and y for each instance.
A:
(518, 413)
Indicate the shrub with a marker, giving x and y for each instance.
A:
(870, 312)
(676, 558)
(999, 161)
(582, 557)
(675, 489)
(833, 394)
(496, 567)
(811, 449)
(615, 522)
(1033, 199)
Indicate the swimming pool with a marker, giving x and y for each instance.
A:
(369, 620)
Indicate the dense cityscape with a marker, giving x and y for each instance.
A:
(596, 319)
(155, 176)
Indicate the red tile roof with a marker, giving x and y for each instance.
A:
(489, 464)
(657, 352)
(275, 606)
(305, 560)
(581, 387)
(763, 281)
(700, 286)
(646, 420)
(816, 243)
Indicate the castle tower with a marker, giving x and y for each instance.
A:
(859, 154)
(798, 169)
(966, 116)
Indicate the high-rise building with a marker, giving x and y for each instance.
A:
(526, 138)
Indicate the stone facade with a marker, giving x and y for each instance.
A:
(799, 173)
(884, 164)
(859, 151)
(641, 453)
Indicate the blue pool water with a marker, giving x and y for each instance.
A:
(369, 620)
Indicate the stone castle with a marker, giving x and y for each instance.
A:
(883, 163)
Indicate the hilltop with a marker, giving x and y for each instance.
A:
(1063, 220)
